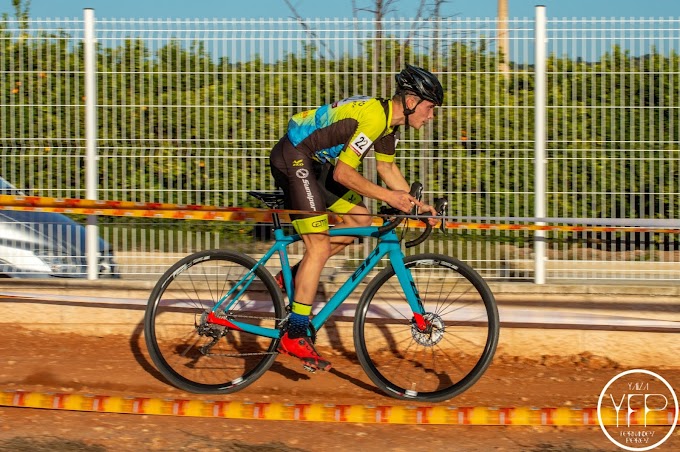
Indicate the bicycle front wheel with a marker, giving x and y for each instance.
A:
(446, 358)
(200, 356)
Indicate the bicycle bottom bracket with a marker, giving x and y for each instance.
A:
(432, 334)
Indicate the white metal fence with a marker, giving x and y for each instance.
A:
(187, 111)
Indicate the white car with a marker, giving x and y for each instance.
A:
(45, 244)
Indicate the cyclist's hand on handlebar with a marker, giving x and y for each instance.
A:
(402, 200)
(405, 202)
(423, 208)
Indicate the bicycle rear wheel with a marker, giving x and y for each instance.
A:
(202, 357)
(449, 357)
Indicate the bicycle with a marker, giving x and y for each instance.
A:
(426, 326)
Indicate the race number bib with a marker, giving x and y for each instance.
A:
(360, 144)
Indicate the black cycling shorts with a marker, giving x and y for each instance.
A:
(309, 185)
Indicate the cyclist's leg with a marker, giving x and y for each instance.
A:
(295, 173)
(343, 201)
(317, 252)
(296, 340)
(356, 217)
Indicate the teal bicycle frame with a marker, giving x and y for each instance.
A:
(389, 244)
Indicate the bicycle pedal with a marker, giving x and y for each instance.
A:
(308, 368)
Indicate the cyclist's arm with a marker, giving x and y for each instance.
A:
(385, 153)
(350, 178)
(390, 173)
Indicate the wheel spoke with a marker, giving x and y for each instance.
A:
(201, 357)
(447, 357)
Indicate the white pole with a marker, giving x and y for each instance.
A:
(539, 146)
(91, 170)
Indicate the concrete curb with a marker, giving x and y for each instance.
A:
(628, 325)
(500, 289)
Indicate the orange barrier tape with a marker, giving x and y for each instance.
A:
(561, 228)
(69, 203)
(316, 412)
(236, 214)
(136, 209)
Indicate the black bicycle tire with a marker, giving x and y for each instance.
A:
(154, 350)
(472, 376)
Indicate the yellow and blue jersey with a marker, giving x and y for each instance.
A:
(346, 130)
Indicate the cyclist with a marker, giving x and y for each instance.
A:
(315, 164)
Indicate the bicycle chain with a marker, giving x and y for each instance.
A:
(223, 315)
(235, 355)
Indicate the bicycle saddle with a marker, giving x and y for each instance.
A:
(272, 200)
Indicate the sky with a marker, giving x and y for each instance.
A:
(110, 9)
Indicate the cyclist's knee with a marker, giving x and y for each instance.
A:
(314, 233)
(318, 246)
(364, 220)
(358, 216)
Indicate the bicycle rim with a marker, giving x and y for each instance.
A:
(200, 357)
(447, 359)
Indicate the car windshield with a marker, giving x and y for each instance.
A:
(8, 189)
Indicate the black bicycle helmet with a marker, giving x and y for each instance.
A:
(420, 82)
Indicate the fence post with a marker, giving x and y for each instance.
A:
(539, 144)
(91, 170)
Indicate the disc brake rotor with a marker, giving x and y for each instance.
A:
(432, 334)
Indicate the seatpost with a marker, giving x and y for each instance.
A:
(275, 219)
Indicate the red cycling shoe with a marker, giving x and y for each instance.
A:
(303, 349)
(279, 280)
(279, 276)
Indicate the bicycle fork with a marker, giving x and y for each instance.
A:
(410, 290)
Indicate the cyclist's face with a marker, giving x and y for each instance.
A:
(424, 113)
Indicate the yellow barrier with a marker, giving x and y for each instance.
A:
(315, 412)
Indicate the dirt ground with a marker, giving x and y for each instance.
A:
(117, 365)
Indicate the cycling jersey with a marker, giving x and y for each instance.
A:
(345, 130)
(302, 162)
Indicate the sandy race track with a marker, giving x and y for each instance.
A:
(45, 362)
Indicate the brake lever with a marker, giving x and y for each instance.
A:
(416, 192)
(441, 205)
